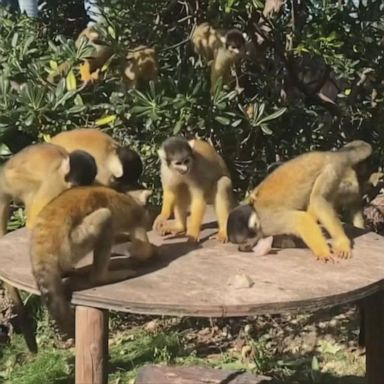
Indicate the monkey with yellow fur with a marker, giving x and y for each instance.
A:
(81, 220)
(117, 166)
(140, 67)
(192, 175)
(296, 196)
(91, 66)
(37, 174)
(225, 49)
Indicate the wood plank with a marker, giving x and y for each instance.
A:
(153, 374)
(194, 280)
(374, 337)
(91, 345)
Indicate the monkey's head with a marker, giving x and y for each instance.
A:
(234, 42)
(243, 223)
(82, 168)
(176, 152)
(132, 166)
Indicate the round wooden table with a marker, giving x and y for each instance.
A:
(198, 280)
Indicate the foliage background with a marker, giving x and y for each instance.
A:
(344, 38)
(347, 37)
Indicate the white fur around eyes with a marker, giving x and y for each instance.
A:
(253, 221)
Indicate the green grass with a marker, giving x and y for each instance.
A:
(309, 348)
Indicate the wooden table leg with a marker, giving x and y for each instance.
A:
(24, 321)
(374, 337)
(91, 345)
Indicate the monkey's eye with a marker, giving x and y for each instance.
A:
(182, 162)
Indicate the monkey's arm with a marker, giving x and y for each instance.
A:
(99, 225)
(321, 209)
(198, 206)
(223, 205)
(141, 250)
(169, 199)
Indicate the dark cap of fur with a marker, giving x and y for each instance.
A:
(237, 225)
(234, 38)
(132, 166)
(83, 168)
(176, 146)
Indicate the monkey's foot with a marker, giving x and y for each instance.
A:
(326, 259)
(219, 236)
(342, 249)
(324, 255)
(193, 238)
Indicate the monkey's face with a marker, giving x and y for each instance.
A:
(182, 164)
(235, 43)
(177, 153)
(242, 224)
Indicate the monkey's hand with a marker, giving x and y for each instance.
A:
(172, 229)
(342, 248)
(246, 247)
(159, 223)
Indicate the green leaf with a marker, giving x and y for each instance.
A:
(265, 129)
(273, 116)
(105, 120)
(222, 120)
(315, 364)
(53, 64)
(15, 38)
(76, 109)
(4, 150)
(78, 100)
(112, 32)
(140, 109)
(71, 81)
(177, 127)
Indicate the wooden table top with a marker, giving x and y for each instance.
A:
(197, 280)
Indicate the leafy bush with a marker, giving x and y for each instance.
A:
(346, 39)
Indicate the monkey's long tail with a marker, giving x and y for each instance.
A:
(54, 295)
(355, 151)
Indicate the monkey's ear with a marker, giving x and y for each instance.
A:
(162, 154)
(115, 166)
(192, 143)
(141, 196)
(65, 166)
(222, 39)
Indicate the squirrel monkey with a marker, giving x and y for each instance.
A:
(192, 175)
(225, 49)
(81, 220)
(206, 40)
(117, 166)
(349, 195)
(295, 197)
(37, 174)
(90, 68)
(140, 66)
